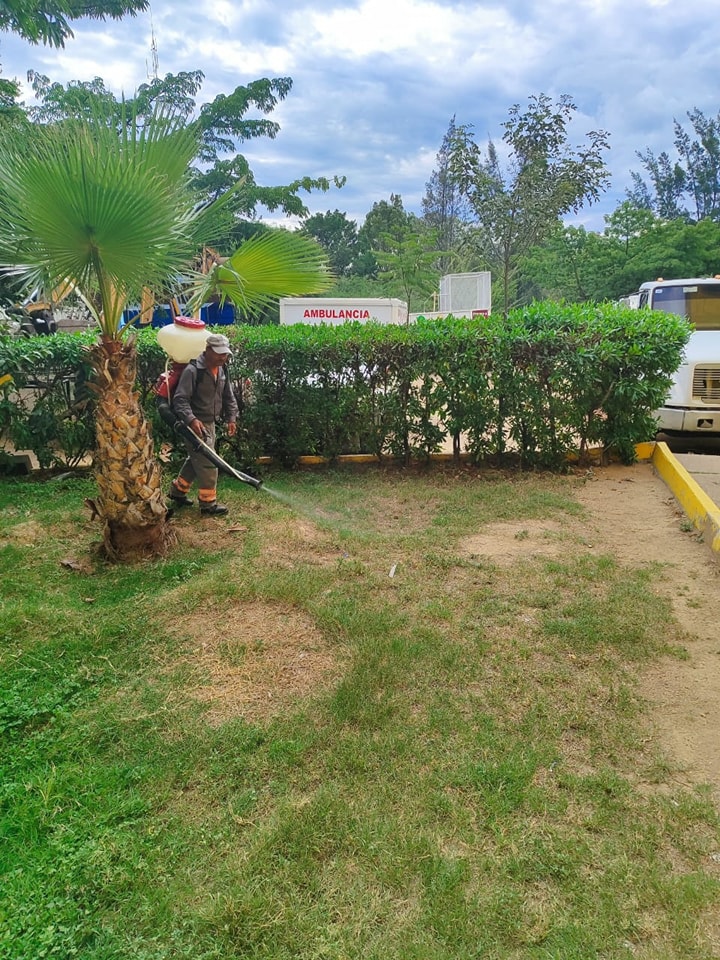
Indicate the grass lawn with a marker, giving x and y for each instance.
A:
(325, 728)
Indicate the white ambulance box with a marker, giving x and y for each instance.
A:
(334, 311)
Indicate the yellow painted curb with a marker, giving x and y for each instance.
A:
(310, 461)
(357, 458)
(696, 504)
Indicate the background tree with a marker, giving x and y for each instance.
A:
(517, 207)
(223, 125)
(576, 265)
(689, 186)
(385, 224)
(410, 267)
(48, 21)
(445, 209)
(338, 237)
(663, 196)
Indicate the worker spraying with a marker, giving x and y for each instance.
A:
(201, 397)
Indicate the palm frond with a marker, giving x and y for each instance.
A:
(273, 264)
(108, 211)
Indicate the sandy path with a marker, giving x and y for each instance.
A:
(634, 514)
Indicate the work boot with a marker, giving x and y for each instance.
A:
(179, 499)
(213, 509)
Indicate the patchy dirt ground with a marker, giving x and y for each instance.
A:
(635, 518)
(639, 520)
(260, 658)
(632, 516)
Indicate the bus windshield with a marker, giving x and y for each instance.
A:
(699, 302)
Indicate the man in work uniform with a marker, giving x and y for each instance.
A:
(203, 396)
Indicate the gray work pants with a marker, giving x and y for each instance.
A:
(197, 468)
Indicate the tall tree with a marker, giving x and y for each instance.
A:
(445, 208)
(111, 213)
(663, 197)
(518, 206)
(11, 110)
(688, 186)
(223, 124)
(576, 265)
(410, 266)
(338, 237)
(49, 20)
(386, 223)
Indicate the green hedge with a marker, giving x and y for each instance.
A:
(547, 380)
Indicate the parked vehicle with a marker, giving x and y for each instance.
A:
(29, 320)
(42, 314)
(693, 404)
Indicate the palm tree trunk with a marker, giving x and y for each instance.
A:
(130, 500)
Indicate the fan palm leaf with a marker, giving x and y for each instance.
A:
(276, 263)
(108, 212)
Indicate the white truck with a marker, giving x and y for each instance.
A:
(693, 404)
(337, 310)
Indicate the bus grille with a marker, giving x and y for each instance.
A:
(706, 384)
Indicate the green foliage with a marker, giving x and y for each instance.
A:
(580, 265)
(385, 224)
(410, 264)
(271, 264)
(11, 112)
(222, 125)
(548, 380)
(687, 186)
(49, 20)
(337, 236)
(108, 211)
(47, 406)
(445, 209)
(517, 206)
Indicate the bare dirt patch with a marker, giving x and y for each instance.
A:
(634, 517)
(257, 660)
(505, 542)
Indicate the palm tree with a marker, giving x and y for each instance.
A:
(111, 213)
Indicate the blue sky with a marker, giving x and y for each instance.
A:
(376, 82)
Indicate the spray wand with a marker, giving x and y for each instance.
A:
(167, 414)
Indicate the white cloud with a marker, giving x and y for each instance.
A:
(377, 81)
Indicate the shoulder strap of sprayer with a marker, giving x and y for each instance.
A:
(199, 376)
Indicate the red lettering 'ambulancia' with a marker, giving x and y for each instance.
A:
(332, 314)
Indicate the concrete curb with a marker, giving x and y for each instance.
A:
(696, 504)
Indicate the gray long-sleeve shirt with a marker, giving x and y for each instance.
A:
(204, 397)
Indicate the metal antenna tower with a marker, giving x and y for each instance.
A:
(153, 52)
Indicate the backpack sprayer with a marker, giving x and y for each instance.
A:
(182, 340)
